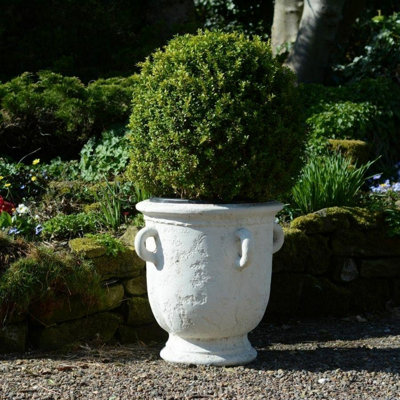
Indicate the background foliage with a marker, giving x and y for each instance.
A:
(367, 110)
(86, 38)
(58, 114)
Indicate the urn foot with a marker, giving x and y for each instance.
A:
(222, 351)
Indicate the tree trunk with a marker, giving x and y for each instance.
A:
(310, 53)
(287, 14)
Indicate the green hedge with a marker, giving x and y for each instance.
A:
(58, 114)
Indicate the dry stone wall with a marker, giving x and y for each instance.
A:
(336, 261)
(120, 312)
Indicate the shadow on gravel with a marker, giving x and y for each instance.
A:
(323, 359)
(325, 330)
(327, 344)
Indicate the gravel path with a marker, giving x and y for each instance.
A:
(335, 359)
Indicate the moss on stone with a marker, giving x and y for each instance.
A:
(136, 286)
(87, 247)
(61, 308)
(126, 264)
(324, 221)
(128, 238)
(331, 219)
(98, 327)
(364, 219)
(139, 311)
(357, 151)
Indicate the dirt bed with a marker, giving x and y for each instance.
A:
(335, 359)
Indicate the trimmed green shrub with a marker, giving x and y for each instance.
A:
(215, 117)
(357, 151)
(328, 181)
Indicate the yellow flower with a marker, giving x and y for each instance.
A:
(7, 185)
(33, 179)
(37, 161)
(1, 177)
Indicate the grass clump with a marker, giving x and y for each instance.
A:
(43, 272)
(328, 181)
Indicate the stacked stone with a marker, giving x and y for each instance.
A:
(120, 311)
(336, 261)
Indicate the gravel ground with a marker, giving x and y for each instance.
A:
(352, 358)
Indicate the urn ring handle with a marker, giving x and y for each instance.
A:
(278, 238)
(140, 245)
(246, 242)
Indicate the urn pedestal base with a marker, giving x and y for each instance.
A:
(223, 351)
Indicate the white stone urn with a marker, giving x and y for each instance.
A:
(208, 275)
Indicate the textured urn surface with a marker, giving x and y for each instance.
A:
(208, 275)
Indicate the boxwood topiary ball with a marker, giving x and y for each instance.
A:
(215, 117)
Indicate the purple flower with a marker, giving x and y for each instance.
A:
(13, 231)
(376, 177)
(38, 229)
(396, 187)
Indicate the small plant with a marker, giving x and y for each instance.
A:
(109, 199)
(59, 170)
(138, 221)
(385, 196)
(328, 181)
(19, 181)
(18, 220)
(107, 157)
(67, 226)
(215, 117)
(112, 245)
